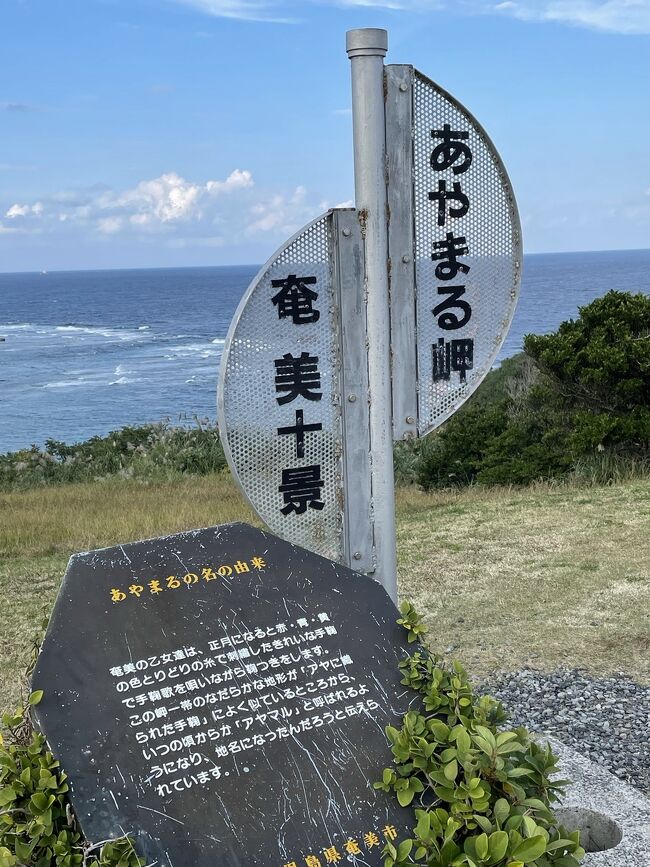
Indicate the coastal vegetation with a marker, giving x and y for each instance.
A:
(480, 795)
(153, 451)
(575, 405)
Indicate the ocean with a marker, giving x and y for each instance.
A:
(87, 352)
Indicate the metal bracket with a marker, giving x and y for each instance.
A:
(399, 150)
(349, 267)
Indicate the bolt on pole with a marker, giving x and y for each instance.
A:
(366, 49)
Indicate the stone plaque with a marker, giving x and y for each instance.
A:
(221, 696)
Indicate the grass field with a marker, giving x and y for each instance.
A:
(544, 577)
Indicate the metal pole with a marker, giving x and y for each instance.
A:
(366, 49)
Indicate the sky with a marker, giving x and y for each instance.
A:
(155, 133)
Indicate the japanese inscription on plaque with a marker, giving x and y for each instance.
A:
(221, 696)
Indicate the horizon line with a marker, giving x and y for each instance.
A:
(260, 264)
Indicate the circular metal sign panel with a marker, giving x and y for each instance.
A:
(468, 251)
(278, 401)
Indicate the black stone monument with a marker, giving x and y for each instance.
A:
(221, 696)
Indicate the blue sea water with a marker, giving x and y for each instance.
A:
(86, 352)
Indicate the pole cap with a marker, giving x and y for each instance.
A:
(366, 41)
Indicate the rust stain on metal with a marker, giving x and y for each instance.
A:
(363, 221)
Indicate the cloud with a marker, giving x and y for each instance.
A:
(379, 4)
(183, 212)
(271, 11)
(611, 16)
(24, 210)
(282, 213)
(236, 180)
(161, 200)
(244, 10)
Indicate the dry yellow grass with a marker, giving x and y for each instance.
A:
(542, 577)
(92, 515)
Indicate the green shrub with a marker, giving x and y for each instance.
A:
(481, 795)
(602, 358)
(598, 367)
(37, 825)
(407, 457)
(155, 451)
(509, 433)
(579, 399)
(455, 456)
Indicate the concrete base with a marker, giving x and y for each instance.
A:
(613, 816)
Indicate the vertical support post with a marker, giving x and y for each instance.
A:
(366, 49)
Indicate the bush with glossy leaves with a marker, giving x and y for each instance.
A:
(482, 795)
(37, 825)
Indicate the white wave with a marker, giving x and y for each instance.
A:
(82, 331)
(219, 340)
(124, 380)
(67, 383)
(74, 330)
(144, 327)
(192, 349)
(121, 369)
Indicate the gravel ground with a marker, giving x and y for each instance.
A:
(605, 719)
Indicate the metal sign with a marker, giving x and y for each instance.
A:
(285, 405)
(371, 325)
(455, 247)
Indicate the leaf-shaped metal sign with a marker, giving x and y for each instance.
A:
(295, 345)
(455, 246)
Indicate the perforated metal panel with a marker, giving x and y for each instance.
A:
(249, 413)
(492, 236)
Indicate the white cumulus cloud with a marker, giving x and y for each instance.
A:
(24, 210)
(169, 197)
(18, 211)
(278, 212)
(236, 180)
(185, 212)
